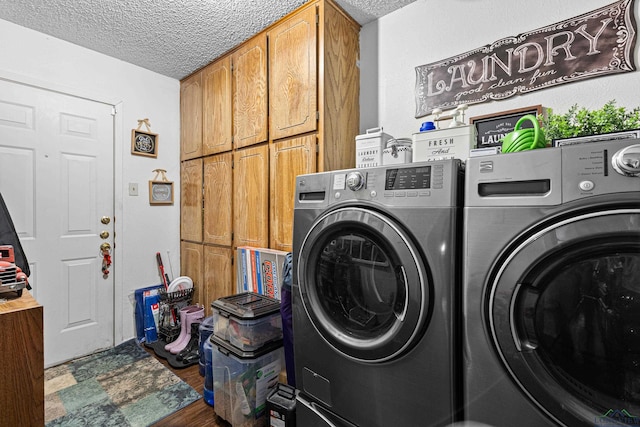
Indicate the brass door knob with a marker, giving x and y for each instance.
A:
(105, 247)
(104, 234)
(105, 220)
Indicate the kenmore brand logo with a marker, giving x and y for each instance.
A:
(486, 166)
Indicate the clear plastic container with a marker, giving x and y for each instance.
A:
(242, 381)
(207, 350)
(248, 321)
(250, 335)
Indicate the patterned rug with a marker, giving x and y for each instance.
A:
(122, 386)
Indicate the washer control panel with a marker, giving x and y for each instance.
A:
(413, 184)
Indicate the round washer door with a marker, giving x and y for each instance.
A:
(363, 284)
(564, 311)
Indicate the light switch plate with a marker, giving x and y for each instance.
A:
(133, 188)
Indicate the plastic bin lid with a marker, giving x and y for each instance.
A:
(226, 348)
(247, 305)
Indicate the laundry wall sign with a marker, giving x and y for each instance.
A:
(594, 44)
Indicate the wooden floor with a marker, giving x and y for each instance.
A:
(197, 414)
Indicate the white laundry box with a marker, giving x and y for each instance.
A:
(450, 143)
(369, 147)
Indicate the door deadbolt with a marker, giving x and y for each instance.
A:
(105, 220)
(104, 235)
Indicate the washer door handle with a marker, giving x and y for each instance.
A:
(401, 316)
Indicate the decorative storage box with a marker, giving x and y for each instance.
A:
(248, 320)
(398, 151)
(242, 381)
(369, 147)
(450, 143)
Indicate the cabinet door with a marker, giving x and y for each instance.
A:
(216, 107)
(191, 117)
(218, 176)
(250, 92)
(340, 115)
(191, 265)
(293, 75)
(191, 200)
(250, 196)
(289, 158)
(218, 277)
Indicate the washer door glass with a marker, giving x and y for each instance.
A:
(566, 317)
(363, 284)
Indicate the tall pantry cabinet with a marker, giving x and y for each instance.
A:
(282, 104)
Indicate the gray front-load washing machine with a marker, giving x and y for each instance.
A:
(551, 287)
(376, 273)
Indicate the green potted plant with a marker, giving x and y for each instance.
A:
(579, 121)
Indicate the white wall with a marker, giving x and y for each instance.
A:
(142, 230)
(431, 30)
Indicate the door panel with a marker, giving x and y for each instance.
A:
(289, 158)
(218, 276)
(191, 117)
(293, 76)
(56, 175)
(191, 265)
(191, 200)
(218, 219)
(251, 197)
(250, 92)
(216, 107)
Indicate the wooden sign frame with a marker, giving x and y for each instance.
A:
(160, 192)
(490, 126)
(144, 143)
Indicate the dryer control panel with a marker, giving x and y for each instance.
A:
(551, 176)
(412, 184)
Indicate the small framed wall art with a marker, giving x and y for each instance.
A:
(160, 190)
(144, 143)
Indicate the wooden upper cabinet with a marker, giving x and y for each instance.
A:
(340, 88)
(216, 107)
(250, 92)
(293, 75)
(289, 158)
(191, 117)
(251, 196)
(191, 200)
(218, 199)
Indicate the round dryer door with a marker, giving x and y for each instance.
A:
(565, 316)
(363, 284)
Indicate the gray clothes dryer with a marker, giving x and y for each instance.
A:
(376, 263)
(551, 289)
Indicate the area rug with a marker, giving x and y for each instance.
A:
(122, 386)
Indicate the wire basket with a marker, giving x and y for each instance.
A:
(170, 305)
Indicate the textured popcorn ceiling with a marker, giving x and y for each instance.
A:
(170, 37)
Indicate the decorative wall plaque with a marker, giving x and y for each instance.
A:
(595, 44)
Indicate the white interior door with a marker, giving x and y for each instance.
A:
(56, 176)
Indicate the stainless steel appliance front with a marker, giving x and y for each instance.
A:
(375, 263)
